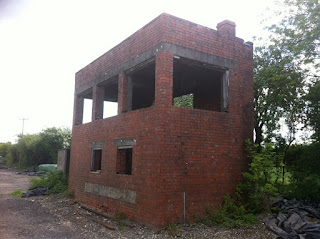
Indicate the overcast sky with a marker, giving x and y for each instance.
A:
(43, 43)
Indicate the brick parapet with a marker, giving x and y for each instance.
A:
(163, 29)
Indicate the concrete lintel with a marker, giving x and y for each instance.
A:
(125, 142)
(161, 47)
(110, 192)
(97, 145)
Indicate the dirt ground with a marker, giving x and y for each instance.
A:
(10, 181)
(59, 217)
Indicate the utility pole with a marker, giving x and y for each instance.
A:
(23, 119)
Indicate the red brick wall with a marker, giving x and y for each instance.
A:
(177, 150)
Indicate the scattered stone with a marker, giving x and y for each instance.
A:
(93, 225)
(71, 203)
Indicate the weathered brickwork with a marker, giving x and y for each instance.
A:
(176, 151)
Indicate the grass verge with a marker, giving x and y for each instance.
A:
(16, 193)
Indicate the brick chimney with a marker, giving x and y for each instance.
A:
(227, 28)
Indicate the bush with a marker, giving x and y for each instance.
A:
(304, 165)
(229, 215)
(258, 184)
(55, 181)
(307, 188)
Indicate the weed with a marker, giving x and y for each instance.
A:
(173, 229)
(68, 194)
(229, 215)
(192, 225)
(120, 218)
(17, 193)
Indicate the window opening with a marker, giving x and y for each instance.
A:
(110, 109)
(198, 85)
(87, 108)
(110, 97)
(96, 160)
(124, 160)
(142, 87)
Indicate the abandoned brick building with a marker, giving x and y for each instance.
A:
(156, 160)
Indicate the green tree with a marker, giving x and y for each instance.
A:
(313, 109)
(278, 91)
(27, 155)
(298, 33)
(51, 140)
(281, 73)
(5, 149)
(32, 150)
(184, 101)
(12, 158)
(293, 54)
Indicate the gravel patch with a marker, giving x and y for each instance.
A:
(92, 225)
